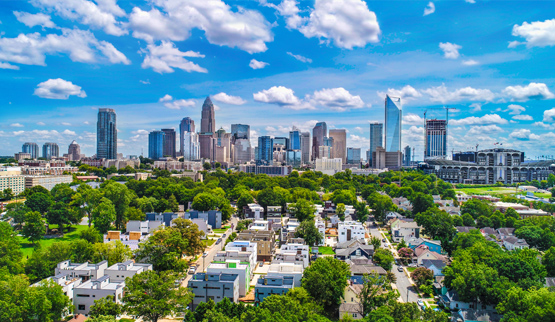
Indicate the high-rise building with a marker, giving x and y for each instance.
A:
(50, 150)
(106, 134)
(293, 158)
(376, 138)
(240, 136)
(156, 145)
(223, 147)
(436, 139)
(187, 125)
(282, 141)
(339, 147)
(319, 132)
(353, 155)
(265, 150)
(305, 147)
(294, 139)
(393, 124)
(74, 151)
(190, 149)
(241, 131)
(169, 143)
(31, 148)
(407, 156)
(207, 130)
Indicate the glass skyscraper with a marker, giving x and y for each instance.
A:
(241, 131)
(294, 139)
(319, 132)
(393, 124)
(169, 143)
(106, 134)
(376, 138)
(50, 150)
(187, 125)
(436, 139)
(265, 150)
(353, 155)
(31, 148)
(156, 145)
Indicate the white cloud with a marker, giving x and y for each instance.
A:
(31, 20)
(288, 9)
(523, 134)
(88, 13)
(162, 58)
(277, 95)
(338, 99)
(300, 58)
(346, 23)
(165, 98)
(523, 117)
(359, 129)
(68, 132)
(483, 129)
(430, 8)
(470, 62)
(8, 66)
(255, 64)
(245, 29)
(81, 46)
(450, 50)
(178, 104)
(549, 115)
(442, 94)
(41, 123)
(86, 123)
(146, 82)
(406, 93)
(58, 89)
(531, 91)
(476, 107)
(66, 123)
(543, 125)
(412, 119)
(470, 1)
(140, 132)
(16, 125)
(228, 99)
(515, 109)
(537, 33)
(486, 119)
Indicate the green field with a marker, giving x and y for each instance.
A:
(27, 247)
(487, 191)
(208, 242)
(324, 250)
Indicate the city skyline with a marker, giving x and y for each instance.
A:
(283, 75)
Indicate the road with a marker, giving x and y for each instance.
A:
(403, 283)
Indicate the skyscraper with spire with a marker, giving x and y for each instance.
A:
(207, 130)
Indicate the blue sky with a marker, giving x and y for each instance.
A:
(275, 64)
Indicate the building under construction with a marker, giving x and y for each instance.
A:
(435, 139)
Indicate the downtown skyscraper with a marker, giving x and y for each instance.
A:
(436, 139)
(106, 134)
(376, 138)
(31, 148)
(319, 133)
(207, 130)
(393, 124)
(169, 143)
(187, 125)
(339, 146)
(156, 145)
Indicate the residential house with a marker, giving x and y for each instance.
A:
(439, 286)
(86, 293)
(353, 249)
(234, 253)
(67, 283)
(287, 269)
(259, 225)
(275, 222)
(405, 229)
(253, 211)
(436, 266)
(144, 227)
(321, 226)
(212, 217)
(464, 229)
(131, 239)
(453, 211)
(293, 253)
(214, 287)
(351, 306)
(452, 301)
(166, 217)
(471, 315)
(360, 267)
(273, 285)
(273, 211)
(84, 271)
(120, 271)
(433, 245)
(233, 267)
(351, 230)
(265, 241)
(512, 243)
(423, 252)
(402, 203)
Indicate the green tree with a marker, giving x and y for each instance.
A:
(121, 197)
(87, 199)
(114, 252)
(308, 231)
(244, 199)
(152, 295)
(421, 202)
(135, 214)
(42, 262)
(380, 205)
(173, 205)
(59, 214)
(422, 276)
(205, 201)
(325, 280)
(267, 197)
(477, 208)
(102, 318)
(34, 228)
(104, 215)
(437, 224)
(468, 221)
(376, 242)
(303, 210)
(10, 250)
(340, 211)
(105, 306)
(91, 235)
(548, 260)
(384, 258)
(534, 305)
(376, 292)
(39, 202)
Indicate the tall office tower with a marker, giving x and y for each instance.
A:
(207, 130)
(50, 150)
(407, 156)
(265, 150)
(393, 124)
(339, 147)
(106, 134)
(187, 125)
(156, 145)
(353, 155)
(376, 139)
(169, 143)
(282, 141)
(293, 158)
(190, 146)
(436, 139)
(319, 132)
(305, 147)
(31, 148)
(74, 151)
(240, 136)
(223, 148)
(208, 119)
(294, 139)
(241, 131)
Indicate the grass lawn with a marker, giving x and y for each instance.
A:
(221, 230)
(487, 191)
(208, 242)
(411, 269)
(325, 250)
(27, 247)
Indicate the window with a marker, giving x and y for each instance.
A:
(81, 307)
(355, 315)
(83, 295)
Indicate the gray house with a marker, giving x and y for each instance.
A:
(270, 285)
(214, 287)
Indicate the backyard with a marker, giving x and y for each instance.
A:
(27, 247)
(325, 250)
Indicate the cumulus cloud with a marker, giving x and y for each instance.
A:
(474, 120)
(484, 129)
(16, 125)
(531, 91)
(81, 46)
(406, 93)
(31, 20)
(522, 117)
(470, 62)
(166, 98)
(338, 99)
(537, 33)
(228, 99)
(430, 8)
(255, 64)
(41, 123)
(523, 134)
(245, 29)
(515, 109)
(58, 89)
(412, 119)
(450, 50)
(476, 107)
(300, 58)
(549, 115)
(289, 10)
(88, 13)
(280, 95)
(442, 94)
(544, 125)
(178, 104)
(8, 66)
(163, 58)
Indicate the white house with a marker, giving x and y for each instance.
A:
(85, 294)
(351, 230)
(405, 230)
(67, 283)
(321, 226)
(144, 227)
(120, 271)
(83, 271)
(287, 269)
(259, 225)
(231, 266)
(512, 243)
(242, 246)
(293, 251)
(243, 256)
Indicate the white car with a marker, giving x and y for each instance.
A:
(420, 303)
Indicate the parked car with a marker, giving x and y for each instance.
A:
(224, 235)
(218, 241)
(384, 240)
(192, 269)
(400, 268)
(421, 304)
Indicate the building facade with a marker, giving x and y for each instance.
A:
(215, 287)
(74, 151)
(305, 147)
(353, 155)
(189, 146)
(407, 157)
(187, 125)
(50, 150)
(31, 148)
(156, 145)
(319, 132)
(294, 139)
(436, 139)
(169, 143)
(376, 138)
(339, 144)
(265, 150)
(106, 134)
(393, 124)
